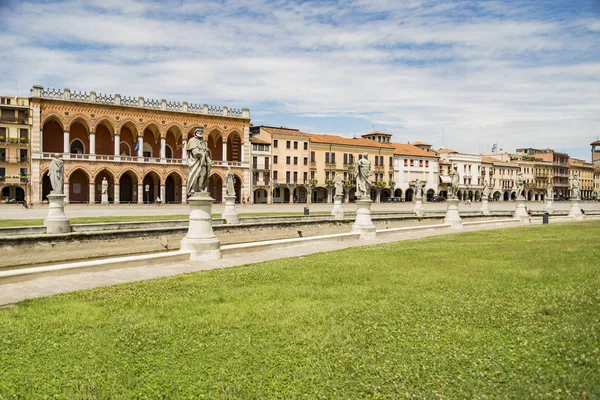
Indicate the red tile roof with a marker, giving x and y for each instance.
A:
(257, 140)
(285, 131)
(402, 149)
(361, 142)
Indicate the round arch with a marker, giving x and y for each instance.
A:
(52, 135)
(215, 187)
(98, 178)
(430, 195)
(408, 195)
(77, 146)
(154, 127)
(105, 121)
(214, 141)
(260, 196)
(151, 181)
(79, 119)
(173, 183)
(234, 147)
(128, 183)
(78, 180)
(53, 117)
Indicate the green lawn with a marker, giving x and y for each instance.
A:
(508, 313)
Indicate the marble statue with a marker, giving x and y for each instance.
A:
(56, 172)
(454, 182)
(486, 190)
(575, 186)
(229, 183)
(549, 189)
(104, 186)
(362, 172)
(338, 186)
(520, 186)
(199, 163)
(418, 189)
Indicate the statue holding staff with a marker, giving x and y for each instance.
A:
(362, 172)
(199, 163)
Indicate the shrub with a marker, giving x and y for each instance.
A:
(313, 182)
(1, 138)
(23, 140)
(328, 182)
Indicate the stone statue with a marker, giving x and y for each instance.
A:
(520, 186)
(56, 172)
(486, 190)
(104, 186)
(199, 163)
(454, 182)
(549, 189)
(575, 186)
(418, 189)
(338, 185)
(362, 172)
(229, 182)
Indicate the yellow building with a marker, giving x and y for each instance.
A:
(15, 130)
(586, 176)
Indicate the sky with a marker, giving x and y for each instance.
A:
(456, 74)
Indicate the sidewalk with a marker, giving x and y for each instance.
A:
(50, 285)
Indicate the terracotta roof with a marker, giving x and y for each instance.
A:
(376, 133)
(333, 139)
(443, 162)
(446, 151)
(489, 160)
(411, 150)
(285, 131)
(420, 143)
(257, 140)
(595, 143)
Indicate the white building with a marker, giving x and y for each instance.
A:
(470, 171)
(412, 163)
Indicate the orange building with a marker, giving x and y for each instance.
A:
(135, 143)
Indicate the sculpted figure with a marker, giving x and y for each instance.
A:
(56, 172)
(338, 185)
(199, 163)
(362, 172)
(454, 183)
(575, 186)
(104, 186)
(549, 189)
(229, 187)
(520, 186)
(418, 189)
(486, 190)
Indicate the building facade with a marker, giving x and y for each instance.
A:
(585, 170)
(15, 131)
(412, 163)
(137, 144)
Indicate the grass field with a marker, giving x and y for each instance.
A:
(511, 313)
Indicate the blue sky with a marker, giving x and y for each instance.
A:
(459, 74)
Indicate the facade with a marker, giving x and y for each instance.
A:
(412, 163)
(560, 170)
(261, 169)
(585, 170)
(470, 172)
(596, 193)
(596, 153)
(137, 144)
(15, 130)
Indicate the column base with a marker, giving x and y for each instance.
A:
(363, 223)
(337, 211)
(521, 210)
(229, 213)
(485, 207)
(418, 208)
(57, 221)
(575, 211)
(452, 216)
(200, 240)
(104, 199)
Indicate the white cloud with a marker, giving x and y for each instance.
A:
(481, 71)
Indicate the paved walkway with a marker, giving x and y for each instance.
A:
(73, 281)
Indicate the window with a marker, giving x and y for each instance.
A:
(288, 144)
(333, 158)
(287, 176)
(2, 172)
(2, 157)
(351, 158)
(360, 156)
(312, 156)
(305, 176)
(326, 158)
(254, 162)
(345, 176)
(420, 163)
(287, 160)
(427, 163)
(254, 147)
(275, 178)
(391, 178)
(326, 175)
(376, 161)
(312, 174)
(391, 161)
(275, 143)
(345, 158)
(277, 190)
(405, 162)
(275, 159)
(295, 177)
(295, 160)
(305, 160)
(381, 161)
(295, 145)
(266, 162)
(305, 145)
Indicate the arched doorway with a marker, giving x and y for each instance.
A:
(77, 147)
(151, 182)
(52, 137)
(46, 186)
(513, 195)
(529, 195)
(352, 195)
(98, 183)
(408, 196)
(215, 187)
(373, 194)
(301, 194)
(398, 193)
(173, 189)
(79, 187)
(128, 140)
(128, 188)
(506, 196)
(497, 196)
(319, 195)
(459, 195)
(430, 194)
(385, 195)
(234, 147)
(260, 196)
(19, 194)
(104, 139)
(215, 145)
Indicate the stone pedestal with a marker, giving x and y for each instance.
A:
(229, 213)
(105, 199)
(363, 223)
(452, 216)
(485, 207)
(200, 240)
(575, 211)
(521, 210)
(549, 206)
(57, 221)
(338, 211)
(418, 207)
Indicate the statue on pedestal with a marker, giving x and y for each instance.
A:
(338, 185)
(104, 186)
(549, 189)
(56, 172)
(454, 182)
(520, 186)
(229, 183)
(486, 191)
(199, 163)
(362, 172)
(418, 190)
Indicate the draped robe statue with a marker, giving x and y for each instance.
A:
(418, 189)
(56, 172)
(338, 186)
(486, 190)
(520, 186)
(199, 164)
(362, 172)
(454, 183)
(575, 186)
(229, 183)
